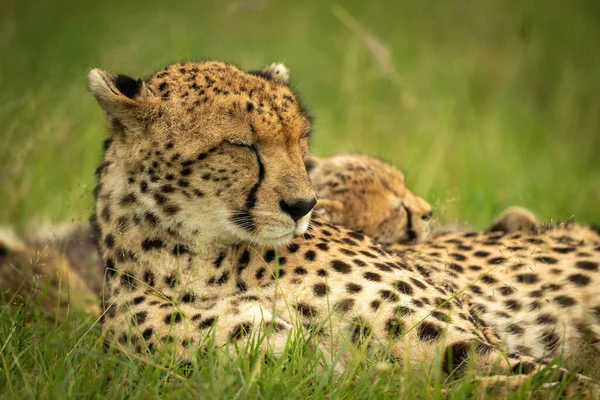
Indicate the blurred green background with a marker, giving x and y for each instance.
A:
(483, 104)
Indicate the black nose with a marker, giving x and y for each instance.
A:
(427, 217)
(297, 208)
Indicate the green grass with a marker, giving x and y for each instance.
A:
(483, 104)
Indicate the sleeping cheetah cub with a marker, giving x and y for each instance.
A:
(532, 285)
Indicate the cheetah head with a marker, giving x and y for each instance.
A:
(365, 194)
(207, 151)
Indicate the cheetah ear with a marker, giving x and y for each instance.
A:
(311, 162)
(276, 72)
(120, 96)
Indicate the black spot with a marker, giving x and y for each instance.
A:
(151, 218)
(441, 316)
(167, 188)
(455, 355)
(306, 310)
(109, 240)
(223, 279)
(360, 332)
(372, 276)
(207, 323)
(515, 329)
(219, 260)
(418, 283)
(149, 278)
(476, 289)
(394, 328)
(358, 262)
(149, 244)
(565, 301)
(563, 250)
(389, 295)
(260, 274)
(171, 281)
(496, 260)
(180, 249)
(587, 265)
(344, 305)
(300, 271)
(579, 279)
(128, 199)
(550, 339)
(140, 317)
(293, 247)
(488, 279)
(506, 290)
(546, 260)
(310, 255)
(322, 273)
(546, 319)
(322, 246)
(527, 278)
(188, 298)
(243, 260)
(427, 331)
(105, 214)
(147, 334)
(513, 304)
(171, 209)
(353, 288)
(175, 317)
(240, 331)
(455, 267)
(139, 299)
(458, 257)
(249, 107)
(375, 305)
(481, 254)
(404, 287)
(341, 266)
(320, 289)
(127, 279)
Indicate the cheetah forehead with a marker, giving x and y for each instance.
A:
(262, 98)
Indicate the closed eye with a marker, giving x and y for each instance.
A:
(240, 143)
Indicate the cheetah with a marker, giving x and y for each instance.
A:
(532, 284)
(368, 195)
(202, 211)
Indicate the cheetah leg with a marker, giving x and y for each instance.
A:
(149, 321)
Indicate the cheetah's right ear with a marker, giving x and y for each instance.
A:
(311, 162)
(119, 96)
(276, 72)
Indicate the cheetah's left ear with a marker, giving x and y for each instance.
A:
(119, 96)
(276, 72)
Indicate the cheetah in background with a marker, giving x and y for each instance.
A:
(532, 284)
(202, 211)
